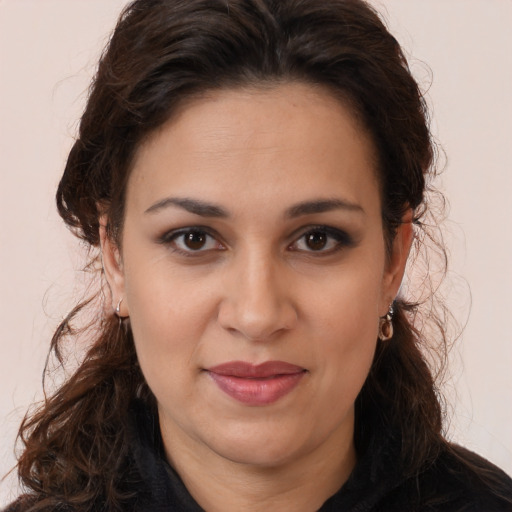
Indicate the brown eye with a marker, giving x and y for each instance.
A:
(323, 240)
(195, 240)
(191, 241)
(316, 240)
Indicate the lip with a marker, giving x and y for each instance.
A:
(261, 384)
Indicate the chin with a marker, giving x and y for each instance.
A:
(259, 446)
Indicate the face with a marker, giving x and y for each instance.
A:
(254, 272)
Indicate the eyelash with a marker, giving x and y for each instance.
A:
(171, 237)
(341, 240)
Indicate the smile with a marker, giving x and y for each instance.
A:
(261, 384)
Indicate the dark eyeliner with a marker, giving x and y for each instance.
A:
(167, 239)
(170, 236)
(338, 234)
(343, 239)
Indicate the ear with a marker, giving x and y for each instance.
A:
(113, 268)
(397, 260)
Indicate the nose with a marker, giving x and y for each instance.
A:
(257, 302)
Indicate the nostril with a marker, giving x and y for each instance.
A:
(256, 302)
(257, 324)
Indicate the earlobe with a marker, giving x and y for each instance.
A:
(113, 269)
(400, 250)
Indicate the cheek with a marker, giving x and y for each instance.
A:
(162, 298)
(347, 302)
(344, 321)
(168, 317)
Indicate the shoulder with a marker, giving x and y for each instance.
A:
(458, 480)
(26, 502)
(476, 477)
(22, 504)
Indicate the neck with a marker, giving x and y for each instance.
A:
(302, 483)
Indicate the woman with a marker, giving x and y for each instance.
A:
(253, 174)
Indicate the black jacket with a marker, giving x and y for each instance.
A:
(456, 481)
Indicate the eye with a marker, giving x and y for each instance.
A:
(322, 239)
(191, 241)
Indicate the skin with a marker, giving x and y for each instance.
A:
(257, 290)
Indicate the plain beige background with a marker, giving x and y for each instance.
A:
(48, 50)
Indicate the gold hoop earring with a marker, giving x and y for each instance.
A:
(386, 325)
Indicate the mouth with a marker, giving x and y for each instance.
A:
(256, 385)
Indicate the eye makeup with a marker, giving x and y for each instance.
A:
(316, 240)
(322, 240)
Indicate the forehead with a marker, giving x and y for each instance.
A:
(289, 139)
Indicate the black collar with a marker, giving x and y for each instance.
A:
(372, 478)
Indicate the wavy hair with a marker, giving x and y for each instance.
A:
(162, 53)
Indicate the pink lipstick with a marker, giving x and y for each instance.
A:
(260, 384)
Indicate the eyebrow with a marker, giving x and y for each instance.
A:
(205, 209)
(194, 206)
(321, 206)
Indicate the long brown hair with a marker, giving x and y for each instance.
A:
(161, 53)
